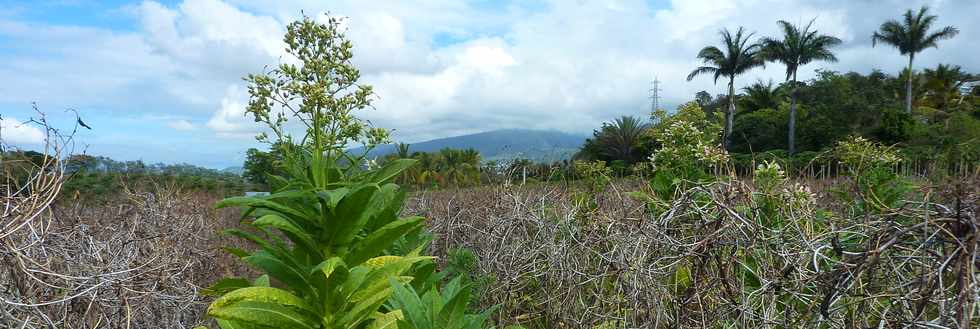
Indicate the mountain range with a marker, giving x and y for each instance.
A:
(500, 145)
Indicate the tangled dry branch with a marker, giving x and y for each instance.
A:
(135, 262)
(716, 258)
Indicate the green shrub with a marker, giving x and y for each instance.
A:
(690, 154)
(870, 166)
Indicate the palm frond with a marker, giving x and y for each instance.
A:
(702, 70)
(912, 34)
(799, 47)
(946, 33)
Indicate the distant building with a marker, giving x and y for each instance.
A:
(967, 87)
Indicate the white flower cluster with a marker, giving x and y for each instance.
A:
(858, 152)
(683, 144)
(801, 195)
(768, 176)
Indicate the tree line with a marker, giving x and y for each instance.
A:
(100, 178)
(939, 117)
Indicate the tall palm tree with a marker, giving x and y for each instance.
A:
(760, 95)
(797, 48)
(912, 36)
(739, 57)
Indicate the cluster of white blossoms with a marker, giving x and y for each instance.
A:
(858, 152)
(801, 195)
(684, 144)
(768, 176)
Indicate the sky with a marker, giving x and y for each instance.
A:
(161, 81)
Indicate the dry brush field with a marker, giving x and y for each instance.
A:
(549, 260)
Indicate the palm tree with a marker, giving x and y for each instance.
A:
(760, 95)
(460, 167)
(619, 140)
(797, 48)
(402, 151)
(943, 84)
(739, 57)
(912, 36)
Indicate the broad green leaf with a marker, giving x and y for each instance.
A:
(363, 309)
(379, 240)
(226, 285)
(225, 324)
(328, 266)
(254, 202)
(296, 234)
(392, 201)
(406, 299)
(265, 314)
(457, 298)
(328, 277)
(290, 275)
(351, 214)
(391, 170)
(332, 197)
(386, 320)
(277, 250)
(262, 294)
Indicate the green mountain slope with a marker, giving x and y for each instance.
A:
(501, 145)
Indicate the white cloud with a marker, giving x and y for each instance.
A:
(229, 120)
(181, 125)
(15, 132)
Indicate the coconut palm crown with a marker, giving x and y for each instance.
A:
(912, 35)
(798, 48)
(740, 56)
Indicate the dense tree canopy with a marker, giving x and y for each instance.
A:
(835, 105)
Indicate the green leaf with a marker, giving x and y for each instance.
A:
(261, 294)
(264, 306)
(332, 197)
(386, 320)
(351, 214)
(362, 309)
(392, 200)
(391, 170)
(379, 240)
(328, 266)
(226, 285)
(225, 324)
(290, 275)
(273, 249)
(261, 281)
(237, 252)
(477, 321)
(296, 234)
(681, 279)
(254, 202)
(264, 314)
(406, 299)
(328, 277)
(454, 309)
